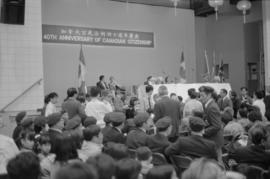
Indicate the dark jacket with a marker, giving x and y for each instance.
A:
(223, 103)
(136, 138)
(73, 108)
(193, 146)
(53, 134)
(157, 143)
(214, 128)
(114, 135)
(102, 86)
(168, 107)
(16, 134)
(253, 155)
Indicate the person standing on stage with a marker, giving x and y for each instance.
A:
(102, 84)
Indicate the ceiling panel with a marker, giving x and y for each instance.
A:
(166, 3)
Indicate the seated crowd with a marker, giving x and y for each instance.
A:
(108, 135)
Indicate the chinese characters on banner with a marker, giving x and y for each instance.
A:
(95, 36)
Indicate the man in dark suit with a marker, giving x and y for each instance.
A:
(72, 106)
(254, 154)
(159, 142)
(224, 100)
(137, 137)
(194, 146)
(114, 134)
(56, 124)
(214, 127)
(102, 85)
(168, 107)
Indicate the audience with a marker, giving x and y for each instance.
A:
(19, 117)
(65, 152)
(98, 140)
(203, 169)
(161, 172)
(159, 142)
(138, 137)
(194, 146)
(192, 104)
(116, 151)
(97, 108)
(50, 107)
(148, 103)
(89, 121)
(243, 120)
(133, 108)
(77, 170)
(127, 169)
(56, 125)
(224, 100)
(254, 154)
(92, 143)
(235, 102)
(144, 156)
(244, 97)
(26, 142)
(72, 106)
(8, 150)
(114, 133)
(44, 146)
(104, 164)
(258, 102)
(25, 165)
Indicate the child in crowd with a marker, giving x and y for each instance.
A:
(144, 156)
(26, 142)
(44, 146)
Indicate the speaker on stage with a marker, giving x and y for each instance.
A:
(12, 11)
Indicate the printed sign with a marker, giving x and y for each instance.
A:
(95, 36)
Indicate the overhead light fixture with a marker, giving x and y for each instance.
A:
(175, 3)
(244, 6)
(216, 4)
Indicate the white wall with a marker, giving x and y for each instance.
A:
(21, 60)
(130, 66)
(226, 38)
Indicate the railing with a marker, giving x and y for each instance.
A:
(19, 96)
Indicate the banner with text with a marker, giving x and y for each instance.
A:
(95, 36)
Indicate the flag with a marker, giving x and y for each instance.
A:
(182, 69)
(221, 71)
(213, 66)
(82, 73)
(206, 75)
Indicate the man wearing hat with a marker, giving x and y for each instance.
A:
(40, 125)
(107, 122)
(114, 134)
(159, 142)
(194, 146)
(137, 137)
(56, 124)
(89, 121)
(73, 123)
